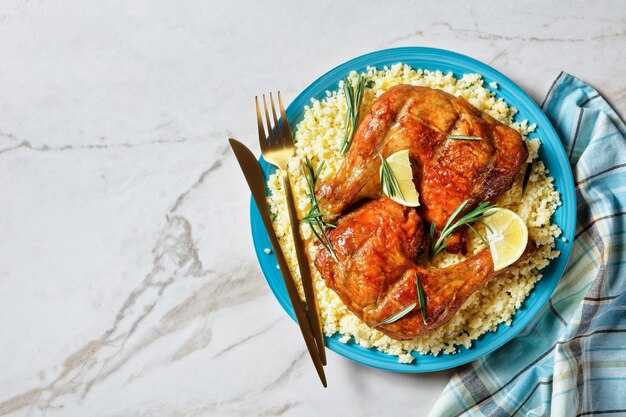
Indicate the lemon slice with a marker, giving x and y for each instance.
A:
(507, 238)
(401, 166)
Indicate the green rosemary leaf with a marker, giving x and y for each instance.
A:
(319, 169)
(382, 185)
(323, 237)
(394, 180)
(392, 186)
(475, 215)
(310, 216)
(384, 178)
(421, 297)
(486, 225)
(317, 235)
(439, 247)
(307, 170)
(396, 316)
(432, 231)
(315, 218)
(454, 214)
(482, 239)
(354, 97)
(328, 244)
(463, 137)
(478, 213)
(529, 168)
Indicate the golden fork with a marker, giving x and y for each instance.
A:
(276, 148)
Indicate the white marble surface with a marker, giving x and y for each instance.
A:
(128, 281)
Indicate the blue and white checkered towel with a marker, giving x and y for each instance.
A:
(571, 359)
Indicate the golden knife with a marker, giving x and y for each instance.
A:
(256, 182)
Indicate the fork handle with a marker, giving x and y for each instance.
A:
(303, 265)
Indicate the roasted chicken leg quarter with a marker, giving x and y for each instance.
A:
(446, 171)
(375, 274)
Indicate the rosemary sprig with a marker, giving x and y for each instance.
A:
(388, 182)
(354, 97)
(463, 137)
(315, 218)
(396, 316)
(422, 302)
(421, 297)
(529, 169)
(473, 216)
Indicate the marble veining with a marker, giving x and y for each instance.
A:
(128, 281)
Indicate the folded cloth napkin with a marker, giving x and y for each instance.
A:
(571, 359)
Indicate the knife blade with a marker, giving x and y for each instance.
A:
(256, 182)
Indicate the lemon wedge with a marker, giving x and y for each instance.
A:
(507, 238)
(401, 167)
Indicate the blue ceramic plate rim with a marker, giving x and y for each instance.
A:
(551, 153)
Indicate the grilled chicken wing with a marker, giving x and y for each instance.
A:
(446, 171)
(375, 276)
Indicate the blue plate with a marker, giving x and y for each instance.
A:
(551, 153)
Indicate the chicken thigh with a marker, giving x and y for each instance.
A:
(375, 272)
(446, 171)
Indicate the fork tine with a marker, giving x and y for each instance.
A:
(277, 129)
(271, 133)
(259, 123)
(285, 122)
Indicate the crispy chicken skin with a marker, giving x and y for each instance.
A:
(446, 171)
(376, 246)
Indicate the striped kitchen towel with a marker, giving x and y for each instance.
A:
(571, 359)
